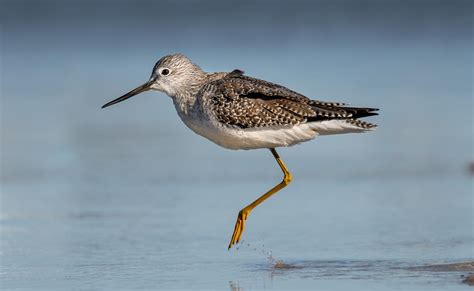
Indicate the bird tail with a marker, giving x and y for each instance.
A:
(334, 118)
(360, 112)
(330, 111)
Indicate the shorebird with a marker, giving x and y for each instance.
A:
(236, 111)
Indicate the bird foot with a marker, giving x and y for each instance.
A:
(239, 227)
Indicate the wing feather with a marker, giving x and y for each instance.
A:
(246, 102)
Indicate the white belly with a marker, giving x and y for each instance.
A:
(246, 139)
(271, 137)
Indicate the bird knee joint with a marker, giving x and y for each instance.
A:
(243, 214)
(287, 179)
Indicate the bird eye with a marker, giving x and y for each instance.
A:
(165, 72)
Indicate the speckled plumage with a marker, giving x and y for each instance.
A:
(252, 103)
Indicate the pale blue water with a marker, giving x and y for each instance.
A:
(128, 198)
(129, 221)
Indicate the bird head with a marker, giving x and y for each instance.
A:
(173, 74)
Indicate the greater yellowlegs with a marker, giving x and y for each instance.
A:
(240, 112)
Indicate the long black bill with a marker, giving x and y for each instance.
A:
(136, 91)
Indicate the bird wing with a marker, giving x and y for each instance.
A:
(248, 102)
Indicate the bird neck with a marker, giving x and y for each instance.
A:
(184, 101)
(184, 97)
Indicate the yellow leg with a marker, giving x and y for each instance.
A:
(240, 224)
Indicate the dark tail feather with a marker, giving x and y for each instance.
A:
(358, 112)
(324, 112)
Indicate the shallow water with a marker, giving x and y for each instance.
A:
(108, 229)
